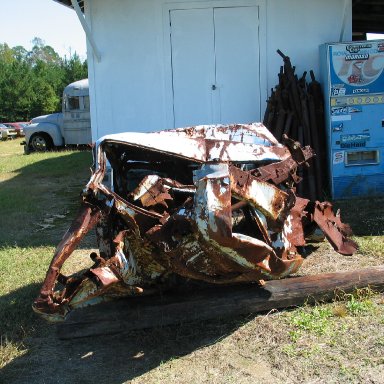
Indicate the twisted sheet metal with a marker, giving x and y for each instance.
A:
(209, 203)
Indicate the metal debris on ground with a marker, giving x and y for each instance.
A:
(208, 203)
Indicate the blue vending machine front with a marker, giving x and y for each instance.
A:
(353, 82)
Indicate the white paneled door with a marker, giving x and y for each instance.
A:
(215, 65)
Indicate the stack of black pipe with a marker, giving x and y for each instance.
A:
(296, 108)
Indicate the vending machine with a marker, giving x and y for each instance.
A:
(353, 83)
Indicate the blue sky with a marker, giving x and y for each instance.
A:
(57, 25)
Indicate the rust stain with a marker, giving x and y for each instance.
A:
(209, 203)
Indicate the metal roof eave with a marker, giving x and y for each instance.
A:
(78, 7)
(367, 15)
(68, 3)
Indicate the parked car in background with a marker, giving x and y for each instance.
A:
(72, 126)
(7, 133)
(18, 127)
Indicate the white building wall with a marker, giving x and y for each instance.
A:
(131, 88)
(298, 27)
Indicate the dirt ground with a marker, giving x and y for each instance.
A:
(248, 349)
(262, 348)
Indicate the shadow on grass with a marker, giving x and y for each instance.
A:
(365, 216)
(39, 203)
(16, 315)
(104, 359)
(46, 189)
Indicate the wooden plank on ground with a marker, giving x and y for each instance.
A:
(214, 302)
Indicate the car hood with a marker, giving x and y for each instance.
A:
(54, 118)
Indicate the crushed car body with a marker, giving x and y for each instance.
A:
(209, 203)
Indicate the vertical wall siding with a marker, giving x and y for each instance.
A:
(130, 86)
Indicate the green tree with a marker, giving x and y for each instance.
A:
(32, 82)
(15, 90)
(74, 69)
(44, 99)
(42, 52)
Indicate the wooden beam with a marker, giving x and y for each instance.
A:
(214, 302)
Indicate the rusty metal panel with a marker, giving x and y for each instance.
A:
(209, 203)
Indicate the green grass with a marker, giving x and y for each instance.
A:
(312, 319)
(39, 194)
(337, 342)
(333, 337)
(33, 186)
(318, 320)
(20, 280)
(371, 245)
(366, 218)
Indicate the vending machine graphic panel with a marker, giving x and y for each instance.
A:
(353, 82)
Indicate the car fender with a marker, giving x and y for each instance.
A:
(51, 129)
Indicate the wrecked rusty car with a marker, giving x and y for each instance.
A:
(208, 203)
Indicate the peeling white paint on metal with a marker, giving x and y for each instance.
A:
(288, 225)
(192, 247)
(233, 255)
(87, 290)
(263, 195)
(265, 262)
(262, 218)
(127, 267)
(192, 259)
(147, 183)
(88, 302)
(233, 143)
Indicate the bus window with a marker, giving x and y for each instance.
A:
(73, 103)
(86, 103)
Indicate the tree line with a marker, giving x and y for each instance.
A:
(32, 82)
